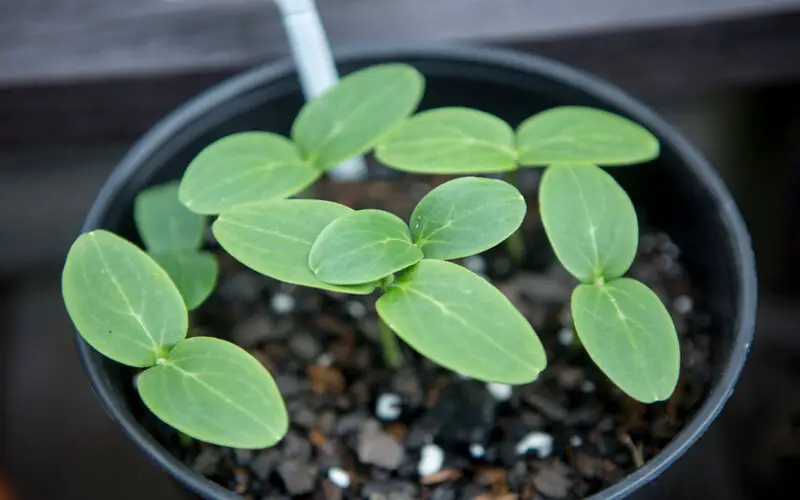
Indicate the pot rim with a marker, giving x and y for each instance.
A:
(220, 94)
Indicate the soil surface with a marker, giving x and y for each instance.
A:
(359, 430)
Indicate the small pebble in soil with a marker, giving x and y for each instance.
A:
(431, 460)
(575, 441)
(464, 413)
(553, 481)
(517, 475)
(476, 264)
(683, 304)
(379, 448)
(298, 478)
(325, 359)
(348, 424)
(407, 383)
(207, 461)
(305, 347)
(547, 404)
(588, 386)
(389, 490)
(265, 463)
(565, 336)
(295, 445)
(477, 450)
(500, 392)
(540, 442)
(290, 386)
(339, 477)
(569, 377)
(355, 309)
(282, 303)
(444, 492)
(254, 331)
(388, 407)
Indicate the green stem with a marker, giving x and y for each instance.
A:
(515, 244)
(392, 354)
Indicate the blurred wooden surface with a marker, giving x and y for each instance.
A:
(5, 490)
(81, 79)
(88, 105)
(44, 40)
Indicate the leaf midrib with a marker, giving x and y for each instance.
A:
(131, 311)
(333, 260)
(461, 138)
(427, 238)
(260, 168)
(459, 319)
(261, 230)
(629, 336)
(591, 229)
(339, 125)
(211, 389)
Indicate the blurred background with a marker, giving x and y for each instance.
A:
(80, 80)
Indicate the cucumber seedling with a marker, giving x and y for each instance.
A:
(132, 305)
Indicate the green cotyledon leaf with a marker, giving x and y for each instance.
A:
(462, 322)
(630, 335)
(589, 220)
(216, 392)
(466, 216)
(274, 238)
(351, 116)
(363, 246)
(121, 301)
(164, 223)
(583, 135)
(242, 168)
(193, 272)
(450, 141)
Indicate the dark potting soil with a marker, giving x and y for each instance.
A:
(359, 430)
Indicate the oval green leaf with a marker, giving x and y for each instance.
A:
(121, 302)
(629, 334)
(450, 141)
(274, 238)
(589, 220)
(576, 134)
(216, 392)
(462, 322)
(362, 246)
(164, 223)
(351, 116)
(466, 216)
(242, 168)
(194, 273)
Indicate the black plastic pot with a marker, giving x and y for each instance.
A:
(680, 193)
